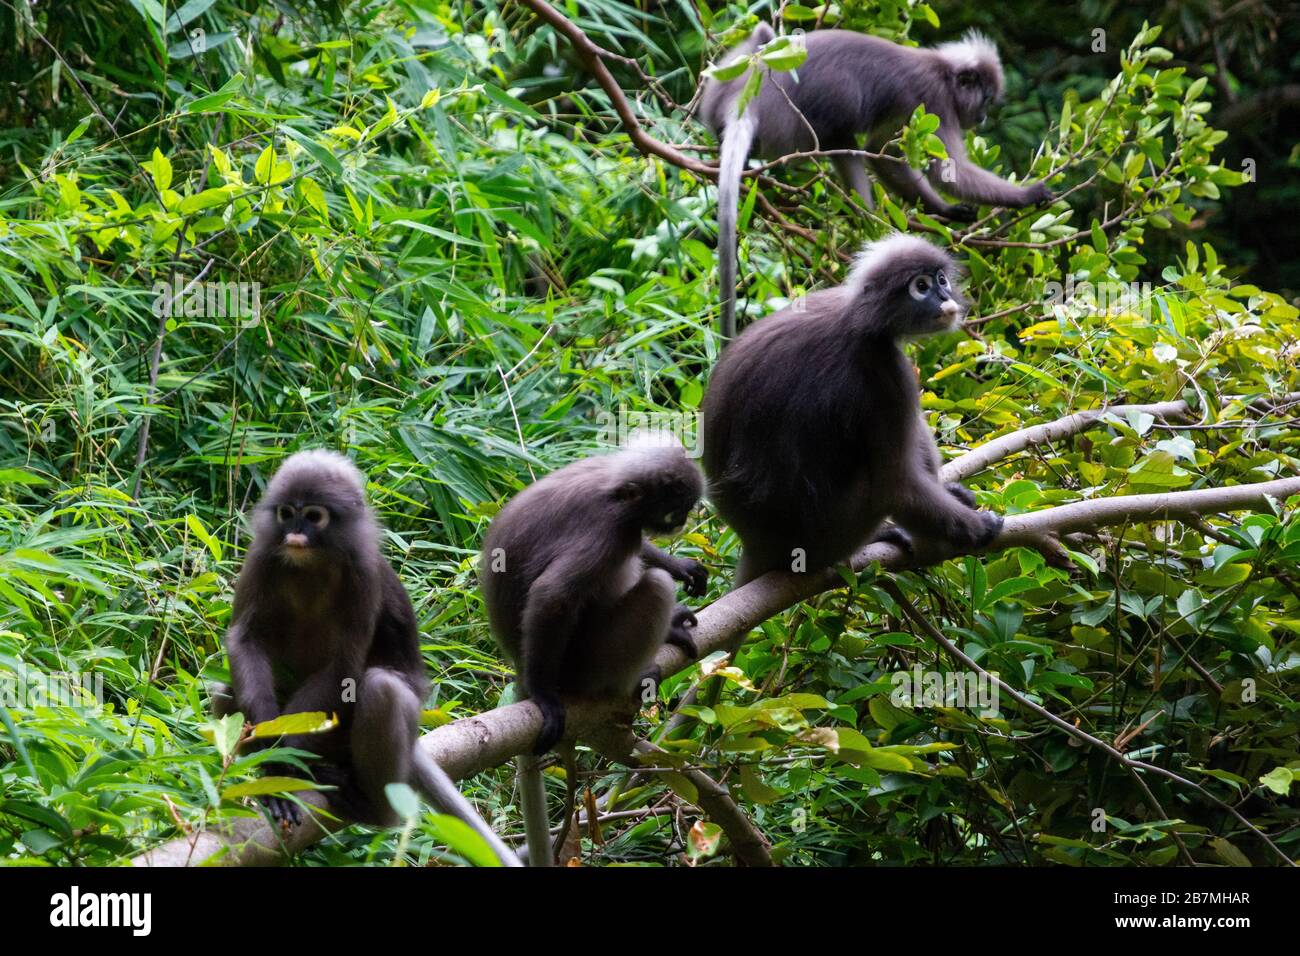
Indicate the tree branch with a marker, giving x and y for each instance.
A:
(474, 744)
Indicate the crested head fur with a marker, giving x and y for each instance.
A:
(974, 51)
(974, 76)
(654, 451)
(902, 286)
(893, 255)
(318, 468)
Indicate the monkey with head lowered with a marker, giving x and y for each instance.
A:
(852, 84)
(577, 597)
(322, 623)
(812, 422)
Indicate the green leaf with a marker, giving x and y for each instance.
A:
(307, 722)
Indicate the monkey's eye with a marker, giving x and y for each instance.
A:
(284, 513)
(919, 287)
(943, 281)
(316, 515)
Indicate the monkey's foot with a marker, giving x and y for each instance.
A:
(962, 212)
(991, 528)
(679, 632)
(893, 534)
(285, 813)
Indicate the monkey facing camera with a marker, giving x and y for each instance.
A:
(577, 597)
(321, 622)
(850, 85)
(812, 426)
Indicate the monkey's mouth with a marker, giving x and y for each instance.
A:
(295, 548)
(950, 315)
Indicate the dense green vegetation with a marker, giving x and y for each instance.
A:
(465, 267)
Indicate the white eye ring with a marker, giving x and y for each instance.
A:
(316, 515)
(919, 288)
(284, 513)
(943, 280)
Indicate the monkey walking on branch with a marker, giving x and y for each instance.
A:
(851, 85)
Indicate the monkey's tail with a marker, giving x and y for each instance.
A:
(736, 142)
(442, 793)
(570, 797)
(532, 800)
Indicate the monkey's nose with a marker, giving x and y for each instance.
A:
(950, 308)
(295, 540)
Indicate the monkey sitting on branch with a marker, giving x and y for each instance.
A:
(322, 623)
(579, 599)
(812, 421)
(852, 84)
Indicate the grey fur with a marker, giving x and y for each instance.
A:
(311, 623)
(812, 427)
(576, 596)
(853, 84)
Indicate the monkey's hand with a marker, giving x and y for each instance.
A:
(961, 493)
(694, 575)
(1040, 195)
(552, 722)
(679, 631)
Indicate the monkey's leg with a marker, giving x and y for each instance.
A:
(853, 172)
(320, 692)
(906, 182)
(759, 555)
(619, 647)
(930, 511)
(221, 698)
(384, 731)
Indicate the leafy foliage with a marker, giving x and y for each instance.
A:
(464, 269)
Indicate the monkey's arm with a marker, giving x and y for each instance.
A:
(853, 171)
(250, 675)
(549, 620)
(690, 572)
(908, 183)
(972, 182)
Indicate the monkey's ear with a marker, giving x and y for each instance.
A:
(627, 492)
(968, 78)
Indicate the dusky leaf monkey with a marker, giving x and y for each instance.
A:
(812, 422)
(852, 85)
(322, 623)
(578, 598)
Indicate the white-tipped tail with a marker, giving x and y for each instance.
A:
(736, 141)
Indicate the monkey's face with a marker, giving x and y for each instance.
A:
(930, 302)
(664, 506)
(302, 530)
(976, 92)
